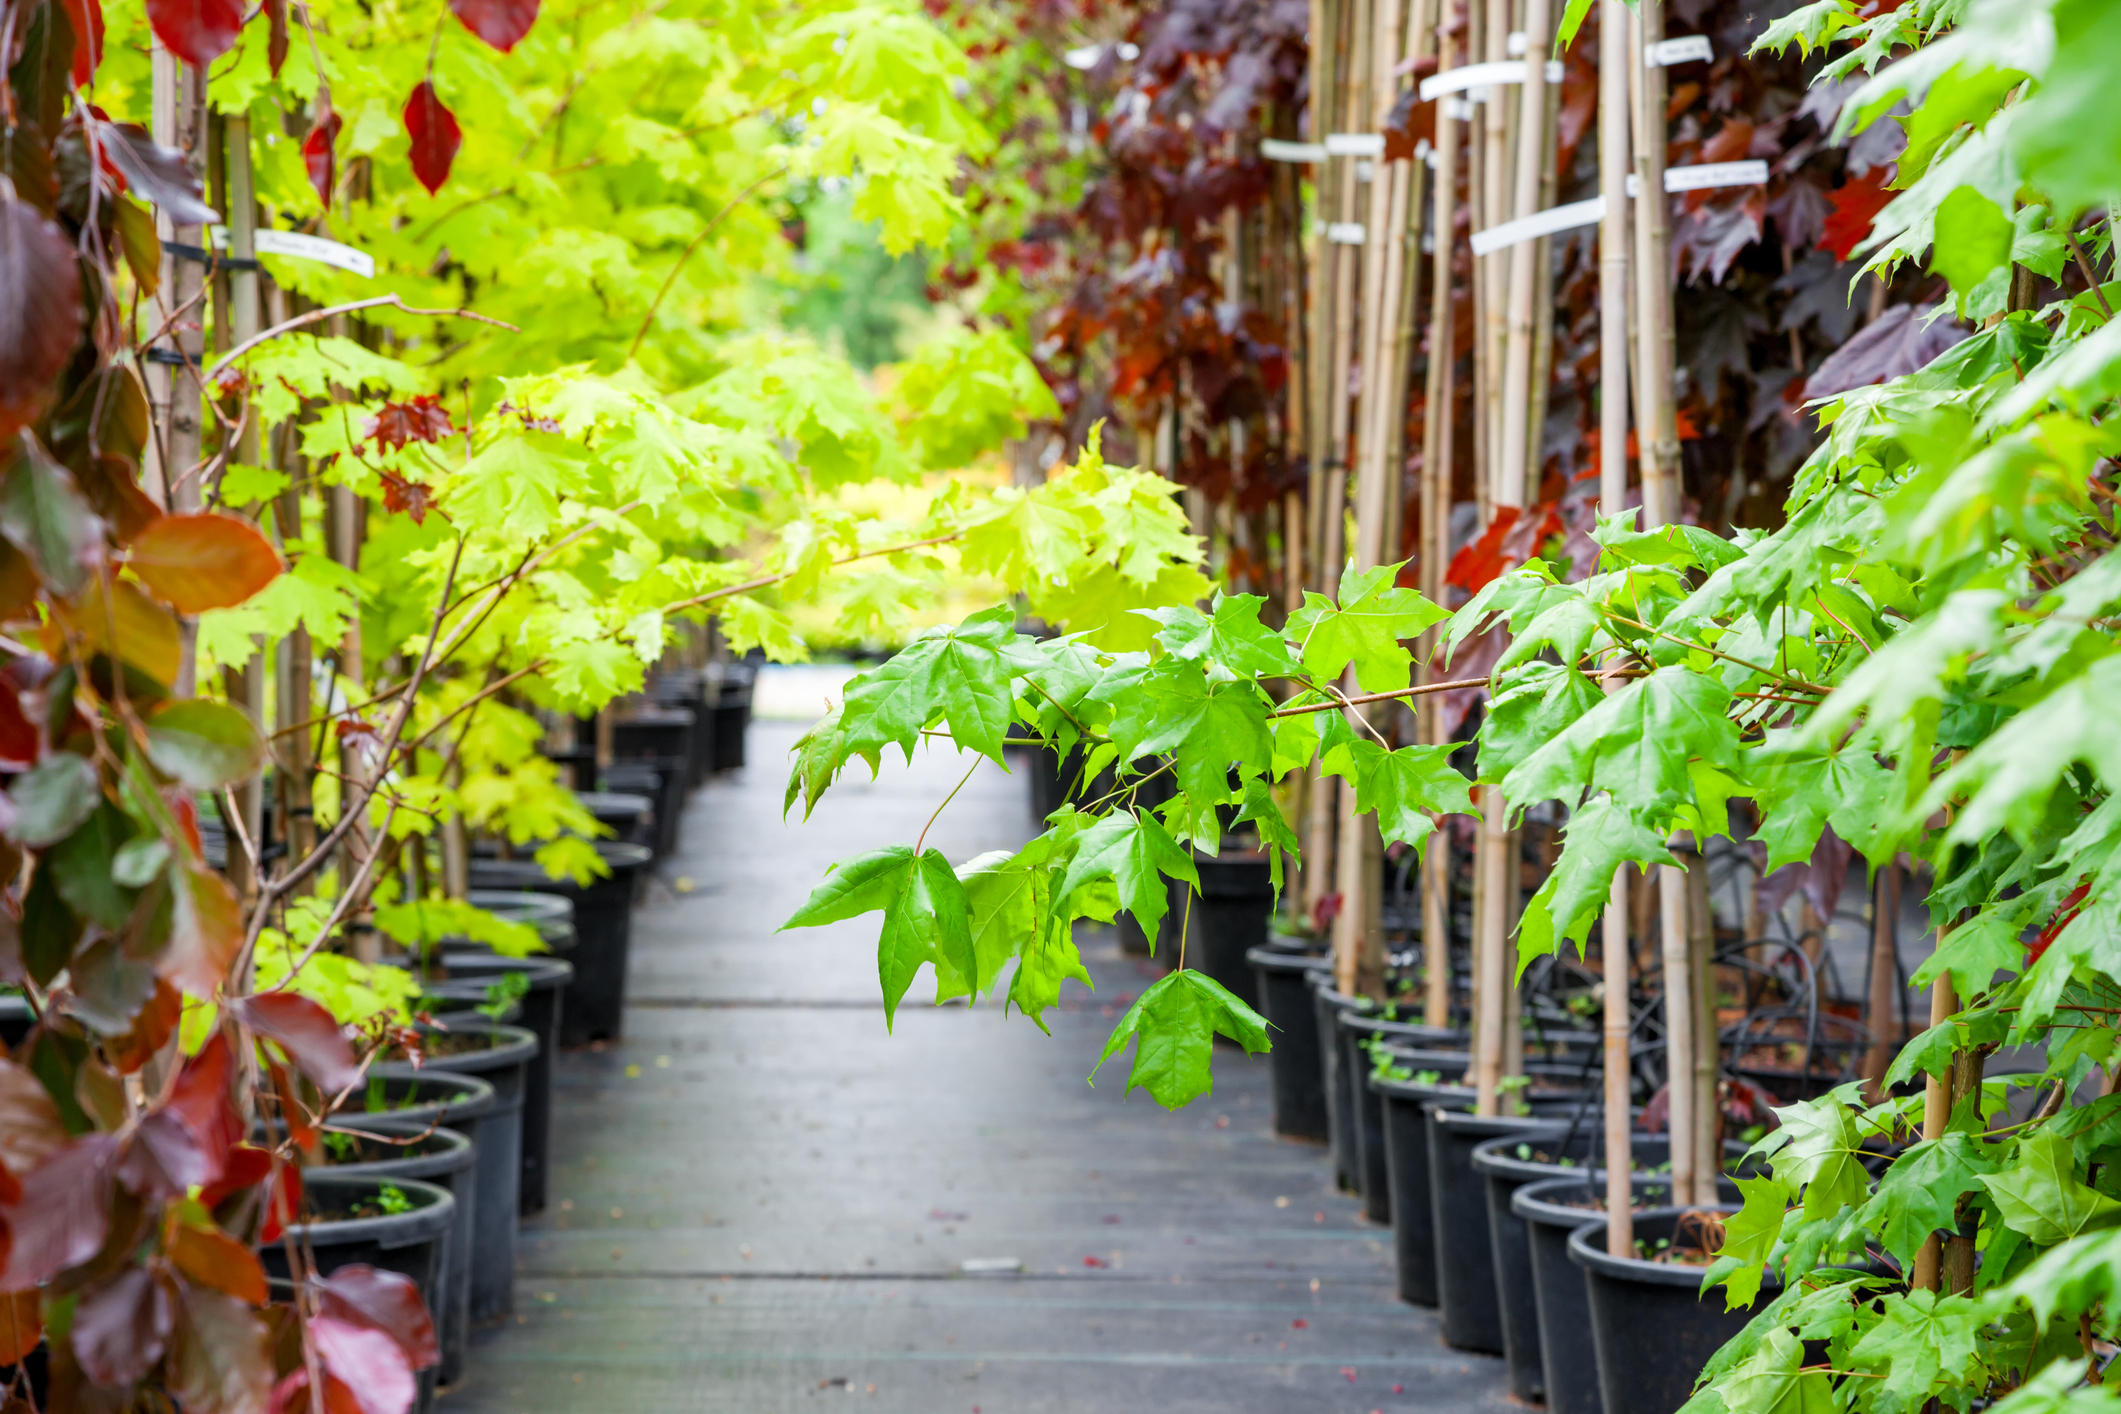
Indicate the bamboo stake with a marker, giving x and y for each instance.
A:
(1708, 1045)
(1318, 361)
(1656, 420)
(247, 684)
(1936, 1118)
(1613, 27)
(1522, 278)
(1436, 456)
(1679, 1024)
(1494, 209)
(1491, 949)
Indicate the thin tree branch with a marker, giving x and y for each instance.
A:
(697, 241)
(316, 316)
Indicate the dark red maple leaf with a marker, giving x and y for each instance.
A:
(501, 23)
(196, 31)
(420, 418)
(1856, 203)
(318, 155)
(86, 17)
(414, 498)
(2064, 916)
(435, 136)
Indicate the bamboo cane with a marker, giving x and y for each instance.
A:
(1679, 1023)
(1491, 946)
(1318, 366)
(1708, 1046)
(1522, 282)
(247, 685)
(1613, 251)
(1936, 1118)
(1656, 421)
(1885, 973)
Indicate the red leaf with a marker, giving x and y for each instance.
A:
(186, 1143)
(1473, 566)
(276, 36)
(417, 419)
(368, 1361)
(196, 31)
(501, 23)
(220, 1360)
(435, 136)
(307, 1032)
(64, 1213)
(21, 1324)
(246, 1167)
(217, 1260)
(1856, 202)
(291, 1395)
(86, 17)
(2065, 914)
(413, 498)
(205, 561)
(206, 929)
(121, 1327)
(318, 156)
(284, 1201)
(40, 313)
(202, 1099)
(385, 1301)
(18, 737)
(155, 173)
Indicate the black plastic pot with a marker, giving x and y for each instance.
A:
(603, 921)
(16, 1019)
(629, 817)
(532, 906)
(1328, 1004)
(687, 689)
(1652, 1327)
(1550, 1210)
(543, 1013)
(1458, 1205)
(1229, 918)
(1405, 1132)
(410, 1244)
(1294, 1065)
(445, 1158)
(1504, 1171)
(656, 732)
(731, 699)
(661, 778)
(504, 1064)
(1358, 1032)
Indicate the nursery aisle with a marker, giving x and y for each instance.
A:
(762, 1202)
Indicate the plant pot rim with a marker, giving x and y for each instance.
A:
(1270, 958)
(512, 1046)
(436, 1211)
(614, 801)
(1490, 1126)
(1324, 985)
(1532, 1202)
(536, 905)
(1490, 1158)
(546, 971)
(475, 1099)
(1369, 1024)
(654, 717)
(454, 1154)
(457, 1017)
(1638, 1270)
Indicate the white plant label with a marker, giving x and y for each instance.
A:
(268, 241)
(1687, 49)
(1716, 174)
(1346, 233)
(1275, 150)
(1468, 76)
(1355, 144)
(1540, 223)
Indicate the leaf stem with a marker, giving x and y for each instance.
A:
(939, 809)
(648, 319)
(1342, 701)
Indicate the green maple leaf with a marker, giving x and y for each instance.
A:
(924, 908)
(1006, 897)
(819, 754)
(1143, 527)
(1174, 1025)
(1749, 1238)
(2041, 1196)
(1601, 836)
(1802, 790)
(955, 675)
(2006, 780)
(1819, 1149)
(1364, 628)
(1916, 1196)
(1635, 744)
(1773, 1381)
(1922, 1341)
(1565, 626)
(1135, 852)
(1171, 706)
(1976, 950)
(1539, 703)
(1027, 536)
(1275, 835)
(2076, 1276)
(1403, 788)
(1233, 637)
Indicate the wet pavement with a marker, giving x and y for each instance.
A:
(763, 1202)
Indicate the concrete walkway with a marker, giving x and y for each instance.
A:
(762, 1202)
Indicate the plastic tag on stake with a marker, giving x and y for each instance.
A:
(1275, 150)
(1704, 175)
(267, 240)
(1346, 233)
(1686, 49)
(1355, 144)
(1539, 223)
(1471, 76)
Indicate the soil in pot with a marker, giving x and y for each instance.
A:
(1652, 1329)
(501, 1056)
(1294, 1066)
(394, 1224)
